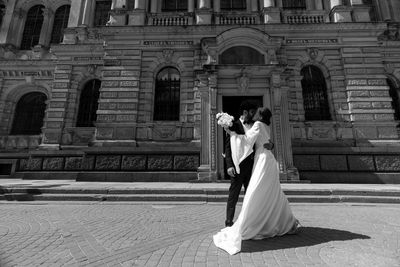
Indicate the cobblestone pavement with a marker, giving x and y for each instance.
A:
(156, 234)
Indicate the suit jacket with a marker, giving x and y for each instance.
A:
(238, 128)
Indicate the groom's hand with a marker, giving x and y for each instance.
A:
(231, 172)
(269, 146)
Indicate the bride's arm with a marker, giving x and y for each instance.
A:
(250, 137)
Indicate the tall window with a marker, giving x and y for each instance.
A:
(241, 55)
(60, 23)
(394, 94)
(315, 97)
(2, 12)
(101, 13)
(174, 5)
(167, 94)
(29, 114)
(372, 11)
(294, 4)
(33, 27)
(233, 4)
(88, 104)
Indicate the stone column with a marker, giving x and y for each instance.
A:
(360, 11)
(271, 14)
(88, 9)
(190, 6)
(340, 13)
(118, 13)
(153, 6)
(203, 14)
(385, 11)
(254, 5)
(217, 6)
(137, 17)
(6, 25)
(45, 33)
(319, 5)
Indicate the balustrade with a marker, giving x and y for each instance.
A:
(305, 18)
(241, 19)
(173, 19)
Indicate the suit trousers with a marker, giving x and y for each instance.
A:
(237, 182)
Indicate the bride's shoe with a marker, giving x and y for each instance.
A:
(295, 229)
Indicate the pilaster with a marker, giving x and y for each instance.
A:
(7, 23)
(56, 108)
(340, 14)
(203, 14)
(206, 85)
(118, 103)
(45, 33)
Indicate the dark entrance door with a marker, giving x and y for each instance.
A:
(231, 105)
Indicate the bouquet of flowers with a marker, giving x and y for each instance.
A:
(224, 119)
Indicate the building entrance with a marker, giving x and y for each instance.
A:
(231, 105)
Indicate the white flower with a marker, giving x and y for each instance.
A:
(224, 119)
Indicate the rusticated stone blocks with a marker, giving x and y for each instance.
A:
(133, 162)
(186, 162)
(333, 163)
(361, 163)
(53, 164)
(160, 162)
(306, 162)
(107, 162)
(387, 163)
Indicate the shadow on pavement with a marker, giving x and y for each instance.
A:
(308, 236)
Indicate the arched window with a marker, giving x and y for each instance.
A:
(233, 5)
(174, 5)
(33, 27)
(241, 55)
(395, 95)
(294, 4)
(29, 114)
(88, 104)
(167, 94)
(60, 23)
(315, 97)
(102, 12)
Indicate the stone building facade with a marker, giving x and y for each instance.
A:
(127, 90)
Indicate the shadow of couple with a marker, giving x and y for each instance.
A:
(308, 236)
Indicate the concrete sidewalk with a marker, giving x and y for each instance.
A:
(48, 190)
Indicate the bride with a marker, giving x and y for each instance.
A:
(265, 210)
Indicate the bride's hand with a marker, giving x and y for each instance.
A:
(227, 130)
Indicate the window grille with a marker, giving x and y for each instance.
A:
(174, 5)
(394, 94)
(102, 13)
(167, 95)
(29, 114)
(294, 4)
(33, 27)
(60, 23)
(315, 98)
(88, 104)
(233, 5)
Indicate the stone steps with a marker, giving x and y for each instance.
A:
(189, 195)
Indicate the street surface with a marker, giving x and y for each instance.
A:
(174, 234)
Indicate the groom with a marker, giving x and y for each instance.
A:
(241, 126)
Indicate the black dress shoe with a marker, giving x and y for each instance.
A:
(228, 224)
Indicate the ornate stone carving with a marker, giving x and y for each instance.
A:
(313, 53)
(391, 34)
(53, 164)
(167, 54)
(243, 82)
(133, 162)
(107, 162)
(160, 162)
(186, 162)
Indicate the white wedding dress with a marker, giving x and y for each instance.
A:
(265, 210)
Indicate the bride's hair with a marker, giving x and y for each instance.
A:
(264, 115)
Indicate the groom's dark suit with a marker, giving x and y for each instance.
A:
(243, 178)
